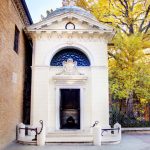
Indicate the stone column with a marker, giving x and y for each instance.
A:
(97, 139)
(100, 99)
(118, 132)
(21, 132)
(41, 138)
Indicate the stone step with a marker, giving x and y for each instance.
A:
(69, 136)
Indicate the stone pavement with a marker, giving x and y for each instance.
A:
(129, 142)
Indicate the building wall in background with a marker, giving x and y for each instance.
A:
(12, 66)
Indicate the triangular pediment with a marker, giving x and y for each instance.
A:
(60, 22)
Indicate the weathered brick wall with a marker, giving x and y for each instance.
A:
(11, 64)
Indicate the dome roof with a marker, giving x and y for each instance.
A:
(67, 9)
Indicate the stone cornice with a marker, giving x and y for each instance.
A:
(61, 67)
(23, 11)
(86, 35)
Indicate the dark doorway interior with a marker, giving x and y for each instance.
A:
(70, 109)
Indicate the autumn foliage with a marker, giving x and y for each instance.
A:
(129, 64)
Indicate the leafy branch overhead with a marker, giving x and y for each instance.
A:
(129, 71)
(130, 16)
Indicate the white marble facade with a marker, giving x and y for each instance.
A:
(70, 27)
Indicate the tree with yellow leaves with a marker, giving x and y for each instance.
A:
(130, 16)
(129, 71)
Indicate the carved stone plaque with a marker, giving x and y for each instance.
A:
(70, 67)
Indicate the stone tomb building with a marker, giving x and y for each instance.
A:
(70, 72)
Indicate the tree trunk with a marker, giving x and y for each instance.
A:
(130, 106)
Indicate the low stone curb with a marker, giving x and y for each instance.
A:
(136, 130)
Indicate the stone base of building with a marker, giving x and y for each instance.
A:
(106, 135)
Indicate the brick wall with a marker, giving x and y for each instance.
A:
(11, 72)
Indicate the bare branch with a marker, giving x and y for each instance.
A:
(133, 4)
(122, 4)
(112, 55)
(122, 22)
(119, 9)
(147, 27)
(126, 3)
(146, 15)
(136, 18)
(122, 30)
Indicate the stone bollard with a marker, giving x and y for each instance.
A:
(41, 138)
(21, 132)
(97, 135)
(117, 125)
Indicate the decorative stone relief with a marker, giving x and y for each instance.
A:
(70, 74)
(70, 37)
(70, 68)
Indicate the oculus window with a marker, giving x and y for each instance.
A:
(70, 26)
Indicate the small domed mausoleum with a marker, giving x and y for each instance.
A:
(70, 73)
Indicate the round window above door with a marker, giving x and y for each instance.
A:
(70, 26)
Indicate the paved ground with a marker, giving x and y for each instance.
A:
(129, 142)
